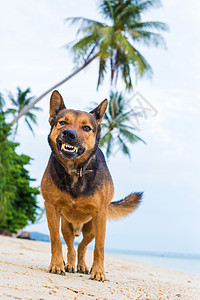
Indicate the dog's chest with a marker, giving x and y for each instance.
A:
(64, 200)
(73, 204)
(78, 210)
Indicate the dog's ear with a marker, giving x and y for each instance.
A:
(56, 104)
(100, 110)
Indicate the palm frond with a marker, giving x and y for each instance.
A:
(105, 138)
(124, 66)
(149, 25)
(148, 38)
(105, 47)
(37, 108)
(102, 71)
(140, 64)
(132, 138)
(127, 127)
(129, 11)
(11, 111)
(124, 117)
(84, 22)
(125, 149)
(109, 145)
(106, 9)
(12, 99)
(104, 125)
(32, 117)
(146, 5)
(16, 128)
(29, 126)
(84, 45)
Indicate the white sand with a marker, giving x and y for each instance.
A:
(23, 275)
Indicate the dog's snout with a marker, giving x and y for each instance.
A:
(70, 134)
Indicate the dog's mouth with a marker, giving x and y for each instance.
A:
(68, 148)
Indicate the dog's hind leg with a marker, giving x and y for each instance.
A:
(88, 236)
(68, 235)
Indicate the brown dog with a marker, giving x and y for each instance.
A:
(78, 188)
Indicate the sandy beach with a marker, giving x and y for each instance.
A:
(23, 275)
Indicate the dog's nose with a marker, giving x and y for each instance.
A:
(70, 134)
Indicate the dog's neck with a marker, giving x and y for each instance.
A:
(81, 170)
(74, 169)
(75, 180)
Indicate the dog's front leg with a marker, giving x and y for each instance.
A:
(68, 235)
(97, 271)
(53, 218)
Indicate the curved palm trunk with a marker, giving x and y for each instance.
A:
(32, 104)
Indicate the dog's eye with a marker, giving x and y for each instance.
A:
(62, 123)
(86, 128)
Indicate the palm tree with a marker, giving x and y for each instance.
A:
(113, 42)
(20, 102)
(117, 128)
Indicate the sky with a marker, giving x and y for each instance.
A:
(33, 35)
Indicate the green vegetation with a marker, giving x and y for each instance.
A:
(117, 129)
(19, 103)
(18, 204)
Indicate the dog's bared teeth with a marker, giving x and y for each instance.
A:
(70, 148)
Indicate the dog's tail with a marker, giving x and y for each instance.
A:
(122, 208)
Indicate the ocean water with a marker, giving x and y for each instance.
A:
(189, 263)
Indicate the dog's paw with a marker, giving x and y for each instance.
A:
(82, 268)
(70, 268)
(97, 274)
(57, 268)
